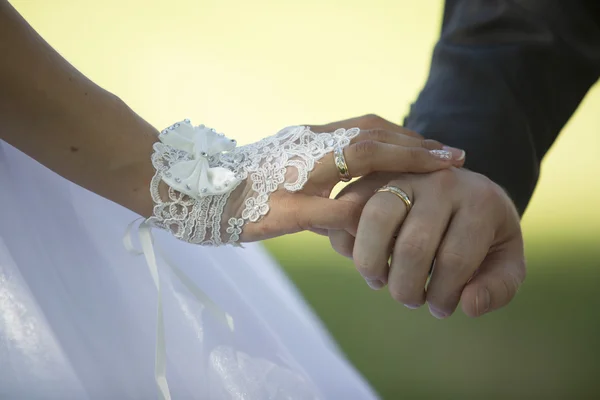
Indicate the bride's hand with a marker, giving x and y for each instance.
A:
(312, 209)
(282, 183)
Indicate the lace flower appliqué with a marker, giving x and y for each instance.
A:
(235, 229)
(268, 178)
(256, 207)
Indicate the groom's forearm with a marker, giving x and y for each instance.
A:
(53, 113)
(503, 83)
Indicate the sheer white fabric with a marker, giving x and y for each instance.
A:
(78, 312)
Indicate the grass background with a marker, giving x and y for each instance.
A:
(250, 67)
(545, 345)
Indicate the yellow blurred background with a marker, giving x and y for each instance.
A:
(249, 68)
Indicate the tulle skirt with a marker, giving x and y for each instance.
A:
(78, 311)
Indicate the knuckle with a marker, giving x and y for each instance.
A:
(485, 187)
(365, 149)
(431, 144)
(488, 192)
(377, 134)
(411, 133)
(414, 159)
(352, 214)
(487, 197)
(453, 260)
(444, 179)
(414, 153)
(413, 249)
(370, 121)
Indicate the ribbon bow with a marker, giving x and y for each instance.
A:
(195, 177)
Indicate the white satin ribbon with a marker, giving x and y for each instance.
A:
(149, 250)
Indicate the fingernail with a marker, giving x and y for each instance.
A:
(482, 301)
(457, 154)
(437, 313)
(412, 306)
(374, 284)
(442, 154)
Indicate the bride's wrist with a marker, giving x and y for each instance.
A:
(129, 166)
(216, 189)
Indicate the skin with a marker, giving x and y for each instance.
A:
(461, 222)
(54, 114)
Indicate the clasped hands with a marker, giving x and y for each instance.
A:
(460, 242)
(439, 234)
(463, 228)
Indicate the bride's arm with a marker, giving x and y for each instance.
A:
(53, 113)
(57, 116)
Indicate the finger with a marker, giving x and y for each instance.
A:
(320, 232)
(373, 122)
(363, 158)
(366, 122)
(416, 247)
(462, 251)
(298, 212)
(379, 222)
(391, 137)
(368, 156)
(497, 281)
(361, 190)
(342, 242)
(358, 192)
(321, 214)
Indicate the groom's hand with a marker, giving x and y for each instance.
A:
(460, 219)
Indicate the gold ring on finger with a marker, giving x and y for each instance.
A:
(398, 192)
(340, 163)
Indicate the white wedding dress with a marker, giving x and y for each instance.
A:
(78, 311)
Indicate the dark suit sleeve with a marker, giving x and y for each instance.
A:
(505, 78)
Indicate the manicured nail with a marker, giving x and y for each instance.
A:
(374, 284)
(412, 306)
(457, 154)
(437, 313)
(482, 301)
(443, 154)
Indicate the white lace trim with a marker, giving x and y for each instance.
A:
(203, 168)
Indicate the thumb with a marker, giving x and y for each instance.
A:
(320, 213)
(495, 284)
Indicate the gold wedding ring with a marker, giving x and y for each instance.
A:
(340, 163)
(398, 192)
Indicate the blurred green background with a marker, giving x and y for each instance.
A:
(252, 67)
